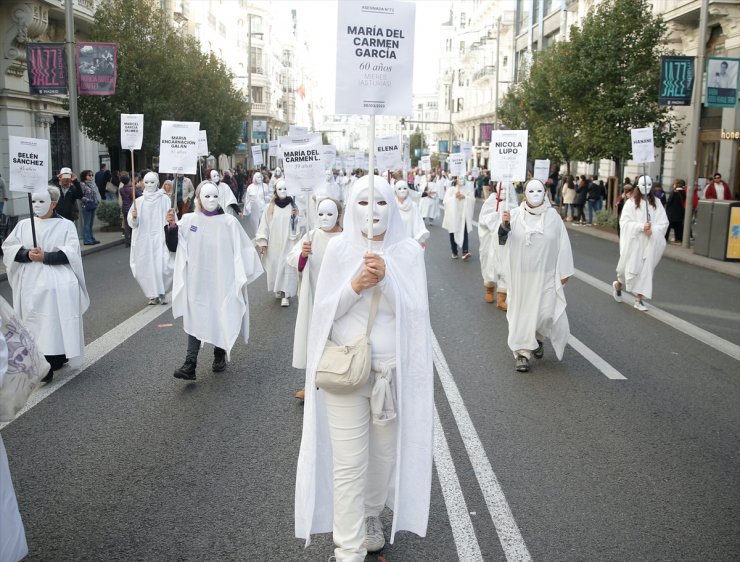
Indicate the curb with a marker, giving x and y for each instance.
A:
(676, 253)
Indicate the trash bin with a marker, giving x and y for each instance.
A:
(703, 227)
(731, 231)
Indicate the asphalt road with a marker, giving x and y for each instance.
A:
(124, 462)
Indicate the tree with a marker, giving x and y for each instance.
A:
(416, 141)
(163, 75)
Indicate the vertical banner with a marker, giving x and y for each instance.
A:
(132, 131)
(302, 164)
(29, 163)
(456, 163)
(202, 143)
(328, 155)
(272, 150)
(541, 170)
(722, 74)
(466, 147)
(426, 163)
(676, 80)
(643, 149)
(375, 57)
(257, 155)
(508, 155)
(388, 153)
(96, 69)
(47, 72)
(486, 129)
(178, 147)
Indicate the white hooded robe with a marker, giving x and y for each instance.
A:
(413, 224)
(276, 233)
(459, 212)
(492, 253)
(152, 264)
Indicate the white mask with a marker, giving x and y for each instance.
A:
(215, 178)
(328, 214)
(278, 172)
(281, 189)
(645, 184)
(329, 177)
(209, 197)
(151, 182)
(402, 189)
(257, 178)
(40, 202)
(381, 212)
(535, 193)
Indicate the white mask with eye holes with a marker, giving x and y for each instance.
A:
(328, 214)
(40, 202)
(535, 193)
(257, 178)
(209, 197)
(381, 212)
(215, 178)
(402, 190)
(281, 189)
(151, 182)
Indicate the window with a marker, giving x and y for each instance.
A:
(522, 12)
(256, 24)
(257, 94)
(460, 104)
(462, 47)
(462, 20)
(256, 60)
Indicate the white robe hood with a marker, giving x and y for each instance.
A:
(405, 275)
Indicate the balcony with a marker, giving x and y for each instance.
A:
(260, 109)
(485, 72)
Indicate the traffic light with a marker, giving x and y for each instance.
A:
(403, 121)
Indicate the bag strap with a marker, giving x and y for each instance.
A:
(373, 311)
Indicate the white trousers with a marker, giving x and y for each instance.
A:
(363, 454)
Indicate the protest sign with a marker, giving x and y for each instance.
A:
(178, 147)
(456, 163)
(643, 149)
(426, 163)
(375, 56)
(475, 172)
(302, 165)
(541, 170)
(508, 154)
(388, 153)
(202, 143)
(257, 159)
(132, 130)
(466, 147)
(272, 150)
(297, 131)
(328, 155)
(29, 164)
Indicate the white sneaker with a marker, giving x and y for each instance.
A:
(374, 539)
(640, 306)
(616, 293)
(285, 302)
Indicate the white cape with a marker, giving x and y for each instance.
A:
(152, 264)
(492, 253)
(254, 205)
(539, 256)
(276, 233)
(429, 205)
(413, 224)
(405, 277)
(639, 254)
(214, 263)
(459, 212)
(50, 299)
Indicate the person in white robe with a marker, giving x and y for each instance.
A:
(277, 175)
(429, 204)
(410, 214)
(327, 188)
(459, 204)
(215, 261)
(306, 257)
(226, 198)
(49, 290)
(279, 230)
(491, 252)
(538, 264)
(343, 183)
(151, 262)
(258, 197)
(372, 447)
(642, 225)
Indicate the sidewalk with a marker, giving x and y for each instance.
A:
(673, 251)
(107, 240)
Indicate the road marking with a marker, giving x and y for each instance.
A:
(595, 359)
(508, 532)
(457, 510)
(708, 338)
(95, 351)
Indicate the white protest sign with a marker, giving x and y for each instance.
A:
(178, 147)
(257, 159)
(272, 150)
(541, 170)
(475, 172)
(426, 163)
(328, 155)
(302, 166)
(29, 164)
(643, 149)
(202, 143)
(132, 130)
(297, 138)
(456, 163)
(375, 57)
(388, 152)
(508, 153)
(297, 131)
(466, 147)
(349, 161)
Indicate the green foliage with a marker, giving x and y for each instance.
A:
(416, 141)
(581, 98)
(109, 212)
(607, 219)
(162, 74)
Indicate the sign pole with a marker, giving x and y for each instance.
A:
(133, 184)
(33, 221)
(371, 184)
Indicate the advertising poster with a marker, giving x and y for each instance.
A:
(96, 69)
(47, 70)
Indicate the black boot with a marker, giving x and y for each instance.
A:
(219, 361)
(187, 371)
(49, 376)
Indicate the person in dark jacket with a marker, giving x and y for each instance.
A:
(71, 192)
(580, 201)
(596, 193)
(675, 210)
(102, 177)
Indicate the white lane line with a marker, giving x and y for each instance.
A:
(508, 532)
(95, 351)
(708, 338)
(457, 510)
(595, 359)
